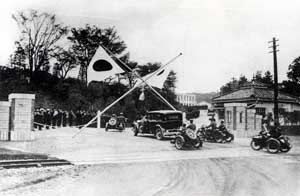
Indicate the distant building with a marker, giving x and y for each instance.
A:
(204, 105)
(187, 99)
(243, 109)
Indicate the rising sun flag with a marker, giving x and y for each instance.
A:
(102, 66)
(156, 80)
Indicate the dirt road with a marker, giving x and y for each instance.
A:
(225, 170)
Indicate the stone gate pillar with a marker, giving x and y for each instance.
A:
(21, 117)
(4, 120)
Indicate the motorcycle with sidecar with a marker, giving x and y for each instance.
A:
(272, 144)
(187, 138)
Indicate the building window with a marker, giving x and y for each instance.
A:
(260, 111)
(241, 117)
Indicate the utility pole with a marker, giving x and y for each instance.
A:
(275, 86)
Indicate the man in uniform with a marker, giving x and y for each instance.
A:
(222, 126)
(191, 126)
(212, 126)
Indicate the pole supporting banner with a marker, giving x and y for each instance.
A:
(129, 91)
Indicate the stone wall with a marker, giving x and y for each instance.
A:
(4, 120)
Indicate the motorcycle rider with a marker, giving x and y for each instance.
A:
(212, 126)
(121, 120)
(275, 131)
(222, 126)
(191, 126)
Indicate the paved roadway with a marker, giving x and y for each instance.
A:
(113, 163)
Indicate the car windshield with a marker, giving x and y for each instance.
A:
(155, 116)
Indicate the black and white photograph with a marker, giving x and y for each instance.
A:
(150, 98)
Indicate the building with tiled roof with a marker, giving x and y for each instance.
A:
(244, 108)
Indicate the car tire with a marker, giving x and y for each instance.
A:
(159, 135)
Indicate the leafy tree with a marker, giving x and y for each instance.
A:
(129, 75)
(292, 85)
(170, 83)
(18, 58)
(39, 34)
(294, 71)
(242, 80)
(65, 62)
(267, 78)
(85, 42)
(235, 84)
(148, 68)
(230, 86)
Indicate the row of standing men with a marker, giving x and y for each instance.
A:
(53, 118)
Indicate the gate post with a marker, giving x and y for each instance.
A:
(21, 117)
(98, 119)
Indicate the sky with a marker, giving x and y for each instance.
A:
(219, 39)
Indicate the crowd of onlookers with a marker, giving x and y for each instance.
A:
(53, 118)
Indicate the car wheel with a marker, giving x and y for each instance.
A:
(273, 146)
(254, 145)
(159, 134)
(179, 143)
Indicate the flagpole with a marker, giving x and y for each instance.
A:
(170, 105)
(125, 94)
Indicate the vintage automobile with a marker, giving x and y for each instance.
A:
(161, 123)
(115, 122)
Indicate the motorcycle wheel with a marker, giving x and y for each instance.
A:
(179, 143)
(197, 144)
(218, 139)
(285, 149)
(254, 145)
(159, 134)
(229, 138)
(273, 146)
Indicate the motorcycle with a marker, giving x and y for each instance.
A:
(272, 144)
(187, 138)
(285, 144)
(210, 135)
(227, 135)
